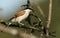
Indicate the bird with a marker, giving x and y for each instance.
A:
(21, 15)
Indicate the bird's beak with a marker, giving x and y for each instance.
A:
(32, 9)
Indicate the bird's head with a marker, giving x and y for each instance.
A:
(30, 9)
(28, 6)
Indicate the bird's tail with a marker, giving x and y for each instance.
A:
(11, 19)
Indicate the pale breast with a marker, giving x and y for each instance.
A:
(20, 18)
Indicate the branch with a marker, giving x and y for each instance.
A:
(50, 14)
(49, 18)
(8, 30)
(15, 32)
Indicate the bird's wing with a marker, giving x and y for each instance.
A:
(20, 13)
(17, 15)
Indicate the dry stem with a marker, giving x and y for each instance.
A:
(49, 18)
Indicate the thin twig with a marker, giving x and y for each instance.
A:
(49, 17)
(50, 14)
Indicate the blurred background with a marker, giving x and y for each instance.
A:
(10, 7)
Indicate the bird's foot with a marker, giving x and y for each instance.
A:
(22, 24)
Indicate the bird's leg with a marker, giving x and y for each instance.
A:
(22, 24)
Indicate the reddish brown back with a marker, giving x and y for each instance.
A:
(20, 13)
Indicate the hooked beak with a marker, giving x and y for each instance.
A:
(31, 9)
